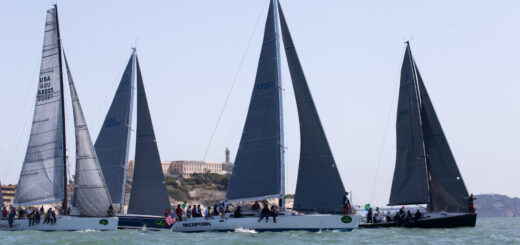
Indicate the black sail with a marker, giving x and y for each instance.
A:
(319, 186)
(257, 170)
(148, 194)
(410, 184)
(113, 141)
(448, 191)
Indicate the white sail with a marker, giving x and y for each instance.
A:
(91, 195)
(42, 179)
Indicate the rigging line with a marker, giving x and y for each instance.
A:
(111, 90)
(384, 139)
(23, 126)
(234, 81)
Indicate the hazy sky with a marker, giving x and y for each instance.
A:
(468, 53)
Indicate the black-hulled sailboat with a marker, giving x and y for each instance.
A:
(43, 179)
(148, 196)
(425, 169)
(258, 172)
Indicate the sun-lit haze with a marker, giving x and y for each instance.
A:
(468, 53)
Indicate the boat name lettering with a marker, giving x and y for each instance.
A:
(266, 85)
(196, 224)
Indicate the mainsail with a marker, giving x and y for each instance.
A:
(91, 195)
(113, 141)
(148, 194)
(317, 170)
(42, 177)
(257, 172)
(410, 184)
(448, 191)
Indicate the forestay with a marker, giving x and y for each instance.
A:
(113, 142)
(148, 194)
(91, 195)
(257, 170)
(319, 186)
(410, 183)
(42, 179)
(448, 191)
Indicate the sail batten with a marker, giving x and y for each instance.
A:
(148, 194)
(257, 170)
(410, 183)
(113, 142)
(319, 186)
(91, 195)
(42, 176)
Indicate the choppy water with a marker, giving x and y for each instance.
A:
(487, 231)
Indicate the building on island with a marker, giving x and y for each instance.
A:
(186, 168)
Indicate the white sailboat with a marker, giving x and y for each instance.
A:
(259, 167)
(43, 179)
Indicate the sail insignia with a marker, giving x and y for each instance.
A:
(91, 195)
(113, 142)
(148, 194)
(257, 171)
(42, 176)
(410, 183)
(317, 169)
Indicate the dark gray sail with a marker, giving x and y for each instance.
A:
(410, 184)
(148, 194)
(42, 177)
(91, 196)
(113, 141)
(257, 170)
(1, 195)
(319, 186)
(448, 191)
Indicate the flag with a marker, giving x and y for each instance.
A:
(367, 206)
(169, 220)
(184, 205)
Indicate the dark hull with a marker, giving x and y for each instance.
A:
(450, 221)
(142, 222)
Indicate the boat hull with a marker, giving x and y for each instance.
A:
(434, 221)
(63, 223)
(142, 222)
(317, 222)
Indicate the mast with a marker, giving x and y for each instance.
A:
(125, 171)
(65, 199)
(419, 105)
(280, 89)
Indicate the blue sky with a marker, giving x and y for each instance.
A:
(351, 52)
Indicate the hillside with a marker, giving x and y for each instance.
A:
(206, 189)
(495, 205)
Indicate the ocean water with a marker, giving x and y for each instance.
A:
(487, 231)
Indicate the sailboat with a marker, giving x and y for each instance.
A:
(425, 170)
(43, 179)
(259, 169)
(148, 197)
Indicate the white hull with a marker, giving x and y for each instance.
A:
(63, 223)
(314, 222)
